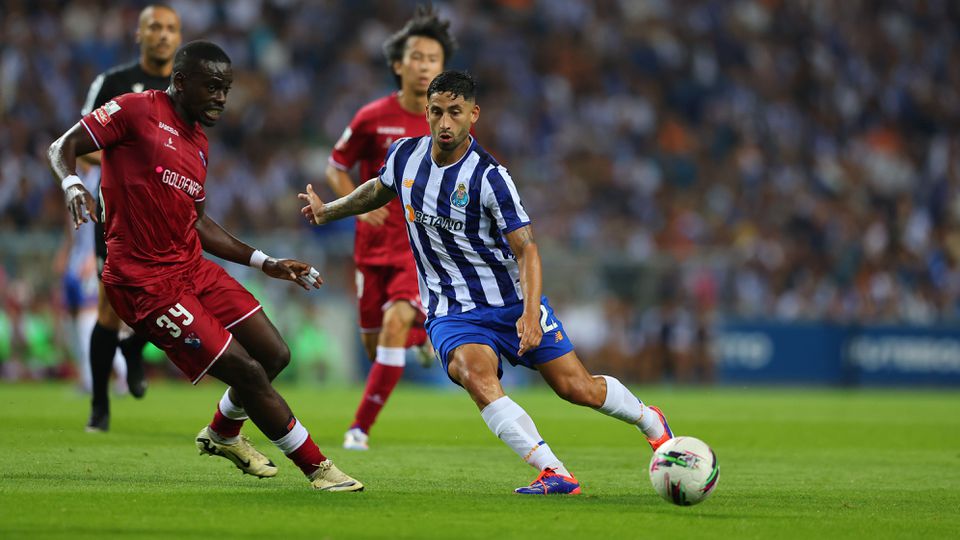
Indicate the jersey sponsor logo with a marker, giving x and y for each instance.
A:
(342, 142)
(188, 185)
(408, 182)
(460, 198)
(103, 114)
(428, 220)
(137, 87)
(169, 143)
(168, 129)
(390, 130)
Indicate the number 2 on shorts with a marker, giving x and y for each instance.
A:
(177, 311)
(543, 320)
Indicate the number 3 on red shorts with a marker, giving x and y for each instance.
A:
(177, 312)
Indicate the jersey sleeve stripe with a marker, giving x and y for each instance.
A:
(508, 200)
(92, 136)
(92, 95)
(336, 164)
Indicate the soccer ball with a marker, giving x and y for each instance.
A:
(684, 471)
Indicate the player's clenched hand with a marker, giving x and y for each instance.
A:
(529, 331)
(314, 209)
(374, 217)
(293, 270)
(81, 205)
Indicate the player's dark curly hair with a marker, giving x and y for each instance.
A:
(458, 83)
(427, 23)
(185, 61)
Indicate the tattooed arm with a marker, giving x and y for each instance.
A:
(370, 195)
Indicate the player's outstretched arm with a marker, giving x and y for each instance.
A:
(63, 160)
(369, 196)
(217, 241)
(531, 283)
(342, 185)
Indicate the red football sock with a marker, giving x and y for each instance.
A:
(300, 448)
(308, 456)
(382, 380)
(225, 427)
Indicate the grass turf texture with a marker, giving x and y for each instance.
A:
(794, 463)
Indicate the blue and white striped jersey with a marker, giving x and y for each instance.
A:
(456, 218)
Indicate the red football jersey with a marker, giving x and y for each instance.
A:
(366, 140)
(154, 166)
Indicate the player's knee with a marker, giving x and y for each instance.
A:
(398, 319)
(245, 374)
(281, 358)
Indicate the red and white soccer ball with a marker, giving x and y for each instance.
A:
(684, 471)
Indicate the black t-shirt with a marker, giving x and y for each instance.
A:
(120, 80)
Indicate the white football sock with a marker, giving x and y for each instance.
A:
(623, 405)
(391, 356)
(292, 440)
(229, 409)
(509, 422)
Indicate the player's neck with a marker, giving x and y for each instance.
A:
(448, 157)
(155, 69)
(181, 112)
(411, 102)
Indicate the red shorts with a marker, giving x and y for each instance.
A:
(189, 316)
(379, 287)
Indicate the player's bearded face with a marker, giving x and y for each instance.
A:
(203, 92)
(450, 119)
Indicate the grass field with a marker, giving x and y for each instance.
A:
(794, 463)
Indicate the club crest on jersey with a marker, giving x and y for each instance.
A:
(104, 113)
(460, 197)
(192, 341)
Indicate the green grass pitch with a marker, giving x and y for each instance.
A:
(794, 463)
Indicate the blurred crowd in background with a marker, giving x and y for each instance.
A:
(683, 161)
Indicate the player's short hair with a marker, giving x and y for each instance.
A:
(190, 54)
(458, 83)
(427, 23)
(155, 6)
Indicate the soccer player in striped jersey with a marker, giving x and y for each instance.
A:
(480, 278)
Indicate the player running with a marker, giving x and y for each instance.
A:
(391, 317)
(158, 34)
(480, 278)
(153, 192)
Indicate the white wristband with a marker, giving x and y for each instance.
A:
(72, 180)
(257, 258)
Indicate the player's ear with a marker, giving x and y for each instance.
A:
(398, 68)
(177, 81)
(475, 114)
